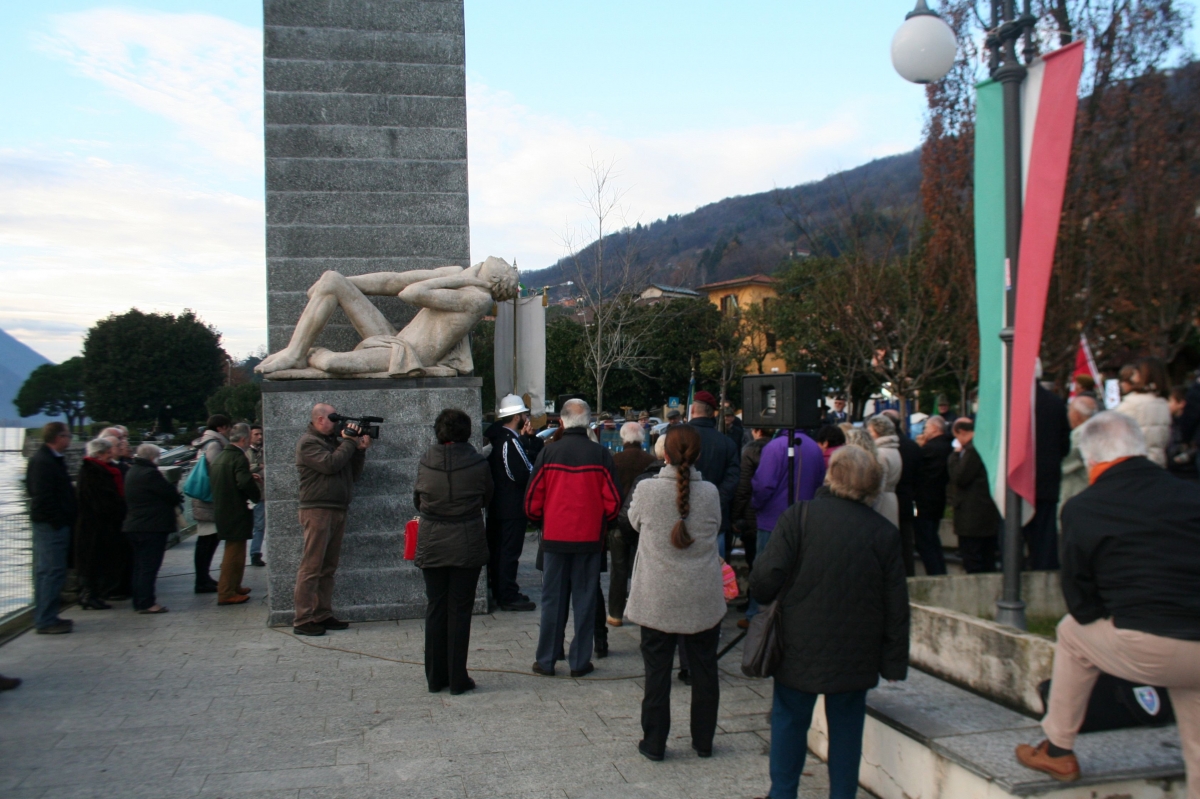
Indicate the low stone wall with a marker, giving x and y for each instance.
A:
(976, 594)
(1000, 662)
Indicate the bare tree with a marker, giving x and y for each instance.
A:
(608, 274)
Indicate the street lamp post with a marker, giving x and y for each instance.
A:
(919, 57)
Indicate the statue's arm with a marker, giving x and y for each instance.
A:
(447, 293)
(390, 284)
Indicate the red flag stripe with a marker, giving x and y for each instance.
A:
(1049, 157)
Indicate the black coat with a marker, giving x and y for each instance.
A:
(975, 514)
(510, 465)
(736, 433)
(931, 488)
(1052, 442)
(150, 500)
(454, 485)
(100, 546)
(744, 516)
(51, 496)
(910, 476)
(718, 464)
(845, 619)
(1131, 551)
(626, 530)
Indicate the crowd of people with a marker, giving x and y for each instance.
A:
(111, 522)
(832, 545)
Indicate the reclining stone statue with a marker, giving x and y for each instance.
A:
(434, 344)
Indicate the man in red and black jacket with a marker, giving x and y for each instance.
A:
(573, 494)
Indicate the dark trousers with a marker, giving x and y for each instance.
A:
(1041, 537)
(929, 544)
(658, 655)
(569, 581)
(978, 553)
(506, 540)
(600, 628)
(206, 547)
(791, 715)
(908, 534)
(450, 595)
(623, 552)
(148, 549)
(51, 545)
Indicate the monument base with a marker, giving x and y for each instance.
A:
(373, 582)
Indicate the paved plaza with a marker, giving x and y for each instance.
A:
(209, 702)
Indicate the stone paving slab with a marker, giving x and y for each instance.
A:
(207, 702)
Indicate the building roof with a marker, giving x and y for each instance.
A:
(681, 290)
(748, 280)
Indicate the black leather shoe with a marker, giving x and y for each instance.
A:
(92, 603)
(519, 606)
(206, 589)
(586, 670)
(436, 689)
(334, 624)
(9, 683)
(309, 628)
(257, 560)
(58, 628)
(646, 753)
(702, 752)
(537, 669)
(685, 676)
(601, 650)
(470, 686)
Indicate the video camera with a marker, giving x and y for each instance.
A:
(368, 425)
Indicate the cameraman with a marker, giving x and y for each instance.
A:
(328, 464)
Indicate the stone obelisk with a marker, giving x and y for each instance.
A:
(366, 170)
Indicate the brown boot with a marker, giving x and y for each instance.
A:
(1064, 768)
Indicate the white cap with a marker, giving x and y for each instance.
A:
(511, 405)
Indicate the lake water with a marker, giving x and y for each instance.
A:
(16, 536)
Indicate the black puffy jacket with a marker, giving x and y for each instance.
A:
(51, 495)
(150, 500)
(454, 485)
(845, 619)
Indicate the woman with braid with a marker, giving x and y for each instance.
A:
(676, 593)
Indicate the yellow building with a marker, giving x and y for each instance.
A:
(734, 296)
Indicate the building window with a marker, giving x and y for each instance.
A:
(770, 342)
(729, 304)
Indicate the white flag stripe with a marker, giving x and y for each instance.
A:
(1031, 96)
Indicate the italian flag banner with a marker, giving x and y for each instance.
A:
(1048, 104)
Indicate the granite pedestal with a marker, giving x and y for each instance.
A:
(374, 582)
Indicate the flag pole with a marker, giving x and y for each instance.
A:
(1007, 69)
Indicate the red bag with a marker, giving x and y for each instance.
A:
(410, 538)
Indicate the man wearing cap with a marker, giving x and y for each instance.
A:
(506, 520)
(943, 410)
(719, 463)
(838, 414)
(674, 417)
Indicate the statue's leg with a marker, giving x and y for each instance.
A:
(331, 291)
(358, 362)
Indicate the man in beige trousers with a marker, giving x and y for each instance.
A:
(1130, 571)
(328, 465)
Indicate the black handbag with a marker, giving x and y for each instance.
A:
(764, 640)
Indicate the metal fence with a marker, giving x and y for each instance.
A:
(16, 533)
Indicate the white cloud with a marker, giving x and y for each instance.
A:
(81, 238)
(202, 72)
(525, 168)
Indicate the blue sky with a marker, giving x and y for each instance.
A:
(131, 142)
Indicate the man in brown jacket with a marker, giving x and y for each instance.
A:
(328, 466)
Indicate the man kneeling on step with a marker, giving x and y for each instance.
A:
(1130, 571)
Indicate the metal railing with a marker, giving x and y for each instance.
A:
(16, 532)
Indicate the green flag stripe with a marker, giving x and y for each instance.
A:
(989, 279)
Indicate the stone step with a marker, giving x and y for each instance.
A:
(928, 739)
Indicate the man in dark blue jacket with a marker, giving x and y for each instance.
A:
(1130, 568)
(719, 463)
(506, 521)
(52, 511)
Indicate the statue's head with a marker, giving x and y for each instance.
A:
(502, 277)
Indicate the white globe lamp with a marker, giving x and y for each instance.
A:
(924, 48)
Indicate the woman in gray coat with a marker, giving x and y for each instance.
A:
(454, 485)
(677, 593)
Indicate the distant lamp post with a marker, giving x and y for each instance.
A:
(924, 48)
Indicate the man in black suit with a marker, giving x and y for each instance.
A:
(930, 496)
(1052, 442)
(838, 414)
(506, 519)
